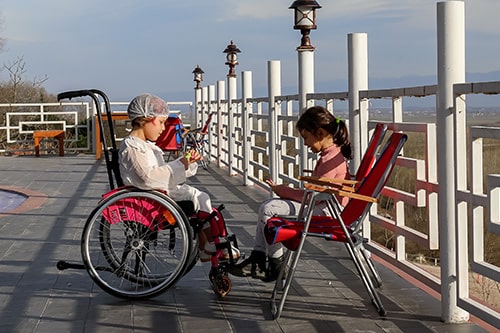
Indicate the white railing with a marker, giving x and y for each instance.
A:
(76, 119)
(448, 187)
(478, 208)
(19, 121)
(474, 202)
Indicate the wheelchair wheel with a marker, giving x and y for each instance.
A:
(221, 283)
(136, 244)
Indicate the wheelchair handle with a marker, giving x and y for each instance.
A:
(73, 94)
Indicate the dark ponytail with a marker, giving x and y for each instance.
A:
(317, 117)
(341, 139)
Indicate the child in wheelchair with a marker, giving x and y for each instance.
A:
(142, 165)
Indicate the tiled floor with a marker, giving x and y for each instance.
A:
(326, 295)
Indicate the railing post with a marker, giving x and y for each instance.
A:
(306, 86)
(246, 88)
(357, 46)
(451, 70)
(204, 106)
(221, 95)
(211, 101)
(274, 89)
(197, 106)
(231, 95)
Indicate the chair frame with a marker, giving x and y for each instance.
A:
(195, 139)
(343, 225)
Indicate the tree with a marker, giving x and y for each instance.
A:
(19, 90)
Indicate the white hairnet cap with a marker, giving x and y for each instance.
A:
(147, 105)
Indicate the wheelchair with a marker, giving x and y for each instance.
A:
(136, 244)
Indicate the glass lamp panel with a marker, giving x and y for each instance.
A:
(231, 57)
(304, 16)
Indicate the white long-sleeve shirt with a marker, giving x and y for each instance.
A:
(142, 165)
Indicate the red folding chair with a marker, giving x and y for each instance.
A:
(171, 140)
(341, 226)
(371, 152)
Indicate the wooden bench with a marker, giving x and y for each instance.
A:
(56, 134)
(98, 141)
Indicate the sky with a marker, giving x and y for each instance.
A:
(128, 47)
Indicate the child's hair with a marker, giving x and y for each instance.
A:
(317, 117)
(139, 122)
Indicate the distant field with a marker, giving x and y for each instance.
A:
(403, 179)
(474, 118)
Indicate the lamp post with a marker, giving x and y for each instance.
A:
(198, 78)
(232, 58)
(305, 21)
(231, 52)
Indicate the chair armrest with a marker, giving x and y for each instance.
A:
(341, 184)
(186, 131)
(332, 181)
(340, 192)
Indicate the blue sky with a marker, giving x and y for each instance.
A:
(128, 47)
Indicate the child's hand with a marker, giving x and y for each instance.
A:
(193, 156)
(272, 184)
(277, 188)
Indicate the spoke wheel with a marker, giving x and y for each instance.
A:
(137, 244)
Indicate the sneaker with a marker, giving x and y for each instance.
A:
(274, 269)
(234, 251)
(210, 248)
(254, 266)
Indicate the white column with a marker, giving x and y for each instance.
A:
(211, 102)
(357, 52)
(197, 107)
(231, 92)
(221, 95)
(274, 89)
(357, 46)
(306, 86)
(204, 105)
(451, 70)
(246, 92)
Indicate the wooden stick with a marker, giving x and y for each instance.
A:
(327, 181)
(340, 192)
(341, 184)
